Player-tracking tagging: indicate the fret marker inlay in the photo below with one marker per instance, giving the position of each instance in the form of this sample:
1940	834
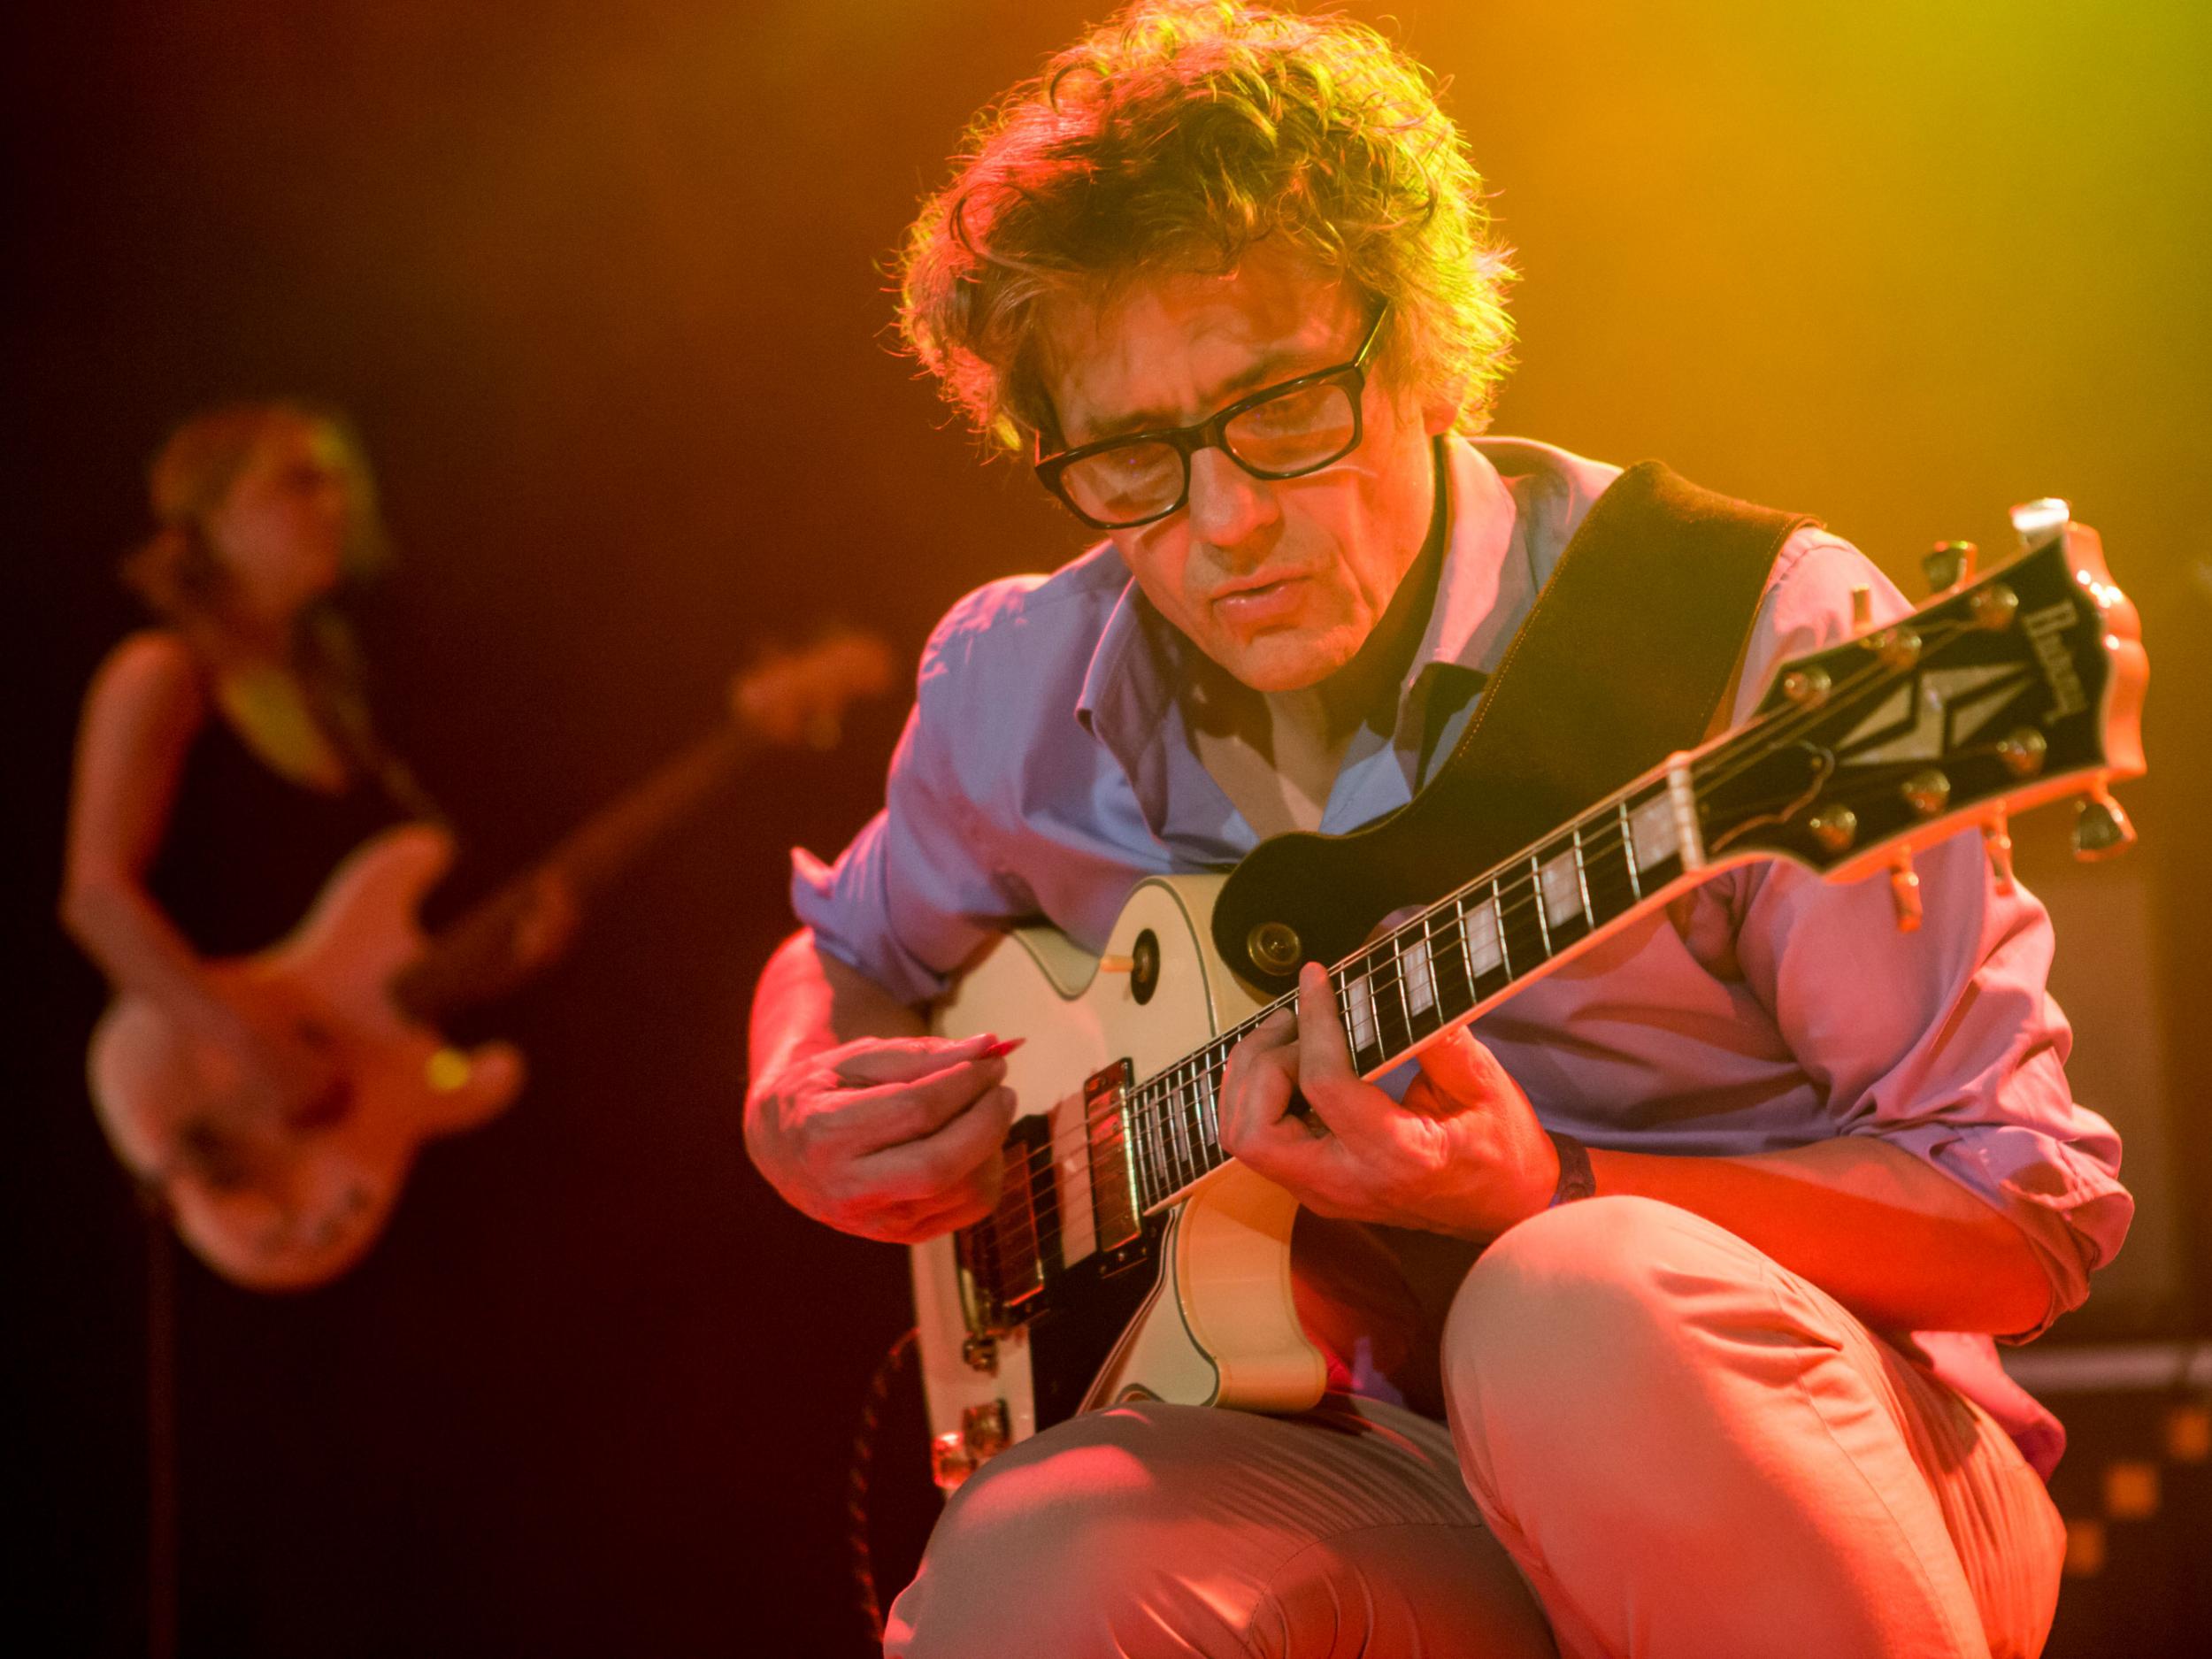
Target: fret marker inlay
1485	951
1420	978
1651	827
1563	890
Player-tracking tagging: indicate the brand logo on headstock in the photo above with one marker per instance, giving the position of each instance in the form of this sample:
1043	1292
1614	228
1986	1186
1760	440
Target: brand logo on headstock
1952	706
2044	628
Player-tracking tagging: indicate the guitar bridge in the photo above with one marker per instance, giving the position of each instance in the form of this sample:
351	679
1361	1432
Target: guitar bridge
1005	1258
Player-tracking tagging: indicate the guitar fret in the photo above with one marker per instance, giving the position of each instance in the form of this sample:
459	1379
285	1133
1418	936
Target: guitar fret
1195	1095
1628	853
1211	1109
1543	924
1186	1114
1394	1017
1178	1145
1582	877
1454	936
1609	868
1155	1163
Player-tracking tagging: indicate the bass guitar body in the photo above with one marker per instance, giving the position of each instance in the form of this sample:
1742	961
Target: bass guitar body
1189	1303
284	1197
282	1202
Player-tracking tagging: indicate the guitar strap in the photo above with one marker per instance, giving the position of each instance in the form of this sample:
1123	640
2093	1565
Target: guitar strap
1622	660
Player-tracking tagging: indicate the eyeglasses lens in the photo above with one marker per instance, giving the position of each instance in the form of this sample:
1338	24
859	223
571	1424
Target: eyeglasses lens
1305	428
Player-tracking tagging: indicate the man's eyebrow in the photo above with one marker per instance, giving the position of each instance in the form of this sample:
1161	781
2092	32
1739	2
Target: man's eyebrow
1268	366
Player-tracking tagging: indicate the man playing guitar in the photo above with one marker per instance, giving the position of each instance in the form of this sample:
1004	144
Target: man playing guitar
1228	273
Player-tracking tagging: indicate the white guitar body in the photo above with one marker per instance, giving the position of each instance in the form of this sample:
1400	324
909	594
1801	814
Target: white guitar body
1219	1325
313	1195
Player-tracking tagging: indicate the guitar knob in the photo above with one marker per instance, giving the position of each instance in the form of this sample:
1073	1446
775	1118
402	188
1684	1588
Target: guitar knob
448	1068
1274	948
1904	893
950	1462
2101	826
1997	842
1949	565
1834	827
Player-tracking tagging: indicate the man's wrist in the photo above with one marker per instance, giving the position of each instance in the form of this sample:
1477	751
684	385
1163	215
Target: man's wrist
1576	1179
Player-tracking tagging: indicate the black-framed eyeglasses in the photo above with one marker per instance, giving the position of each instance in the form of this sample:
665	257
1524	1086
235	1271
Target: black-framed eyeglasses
1282	431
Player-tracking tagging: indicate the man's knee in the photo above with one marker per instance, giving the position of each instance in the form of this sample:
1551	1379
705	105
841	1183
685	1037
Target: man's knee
1584	1307
1088	1508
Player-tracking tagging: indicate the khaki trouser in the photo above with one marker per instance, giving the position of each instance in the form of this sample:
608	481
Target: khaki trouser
1662	1443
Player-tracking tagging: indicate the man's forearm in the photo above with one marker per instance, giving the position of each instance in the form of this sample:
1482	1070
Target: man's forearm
1902	1244
808	1000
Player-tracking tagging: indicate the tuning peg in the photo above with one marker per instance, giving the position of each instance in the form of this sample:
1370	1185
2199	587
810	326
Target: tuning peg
1904	892
1950	565
2101	826
1861	608
2040	523
1997	842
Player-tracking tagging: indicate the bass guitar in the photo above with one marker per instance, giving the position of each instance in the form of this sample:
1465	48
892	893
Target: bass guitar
285	1199
1130	1257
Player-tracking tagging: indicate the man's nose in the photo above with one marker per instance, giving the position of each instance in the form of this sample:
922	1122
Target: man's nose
1227	504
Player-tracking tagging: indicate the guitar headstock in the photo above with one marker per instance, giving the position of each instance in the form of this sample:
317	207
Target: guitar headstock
2006	691
792	698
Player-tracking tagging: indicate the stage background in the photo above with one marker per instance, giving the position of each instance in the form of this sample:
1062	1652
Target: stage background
605	287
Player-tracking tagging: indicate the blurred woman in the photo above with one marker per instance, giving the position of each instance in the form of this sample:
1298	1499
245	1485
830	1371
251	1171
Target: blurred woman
225	759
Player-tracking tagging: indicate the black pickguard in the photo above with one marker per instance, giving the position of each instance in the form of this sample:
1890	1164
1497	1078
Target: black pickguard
1630	647
1086	1311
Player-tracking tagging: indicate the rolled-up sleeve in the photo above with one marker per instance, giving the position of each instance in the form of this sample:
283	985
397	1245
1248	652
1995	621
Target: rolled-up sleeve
917	891
1944	1042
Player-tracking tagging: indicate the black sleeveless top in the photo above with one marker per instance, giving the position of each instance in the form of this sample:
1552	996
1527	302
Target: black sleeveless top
247	849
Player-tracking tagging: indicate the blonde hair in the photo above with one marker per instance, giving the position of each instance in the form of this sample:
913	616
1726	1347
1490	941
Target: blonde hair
1175	138
176	571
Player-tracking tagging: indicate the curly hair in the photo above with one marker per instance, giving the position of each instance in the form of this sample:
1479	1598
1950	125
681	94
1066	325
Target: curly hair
1175	138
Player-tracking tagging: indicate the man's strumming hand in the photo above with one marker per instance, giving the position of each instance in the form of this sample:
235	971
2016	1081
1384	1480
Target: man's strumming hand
892	1138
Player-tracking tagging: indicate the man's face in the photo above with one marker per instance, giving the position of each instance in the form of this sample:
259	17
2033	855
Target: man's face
1279	583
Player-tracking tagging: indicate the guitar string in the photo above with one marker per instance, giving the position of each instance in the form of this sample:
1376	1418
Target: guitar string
1172	1100
1183	1097
1177	1098
1152	1101
1162	1102
1850	691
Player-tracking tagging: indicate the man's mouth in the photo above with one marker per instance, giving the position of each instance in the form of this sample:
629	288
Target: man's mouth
1260	600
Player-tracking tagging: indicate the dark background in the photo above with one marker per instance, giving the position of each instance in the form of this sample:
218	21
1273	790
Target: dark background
605	287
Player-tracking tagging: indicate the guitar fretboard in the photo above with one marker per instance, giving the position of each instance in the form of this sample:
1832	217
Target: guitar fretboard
1428	974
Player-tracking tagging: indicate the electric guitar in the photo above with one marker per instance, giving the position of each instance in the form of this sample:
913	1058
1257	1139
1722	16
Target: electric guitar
285	1199
1129	1257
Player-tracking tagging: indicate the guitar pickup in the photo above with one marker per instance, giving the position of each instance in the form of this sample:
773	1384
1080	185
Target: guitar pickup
1118	1213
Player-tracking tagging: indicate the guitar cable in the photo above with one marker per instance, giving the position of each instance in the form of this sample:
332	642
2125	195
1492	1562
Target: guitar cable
861	1471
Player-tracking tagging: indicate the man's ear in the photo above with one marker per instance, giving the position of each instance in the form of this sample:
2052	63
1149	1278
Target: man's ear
1440	407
